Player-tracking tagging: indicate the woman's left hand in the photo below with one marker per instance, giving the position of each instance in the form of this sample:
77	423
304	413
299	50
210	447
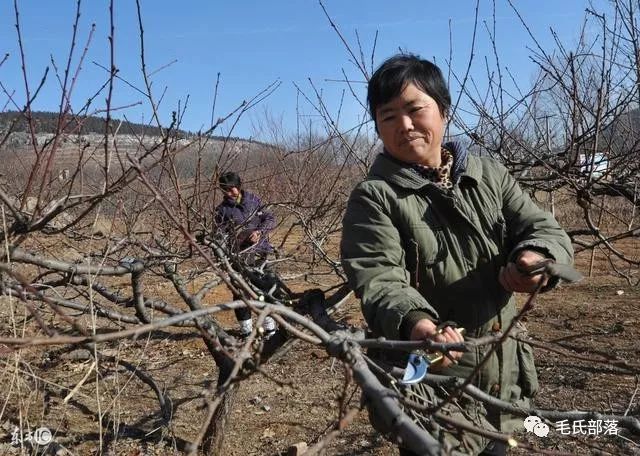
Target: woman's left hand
513	280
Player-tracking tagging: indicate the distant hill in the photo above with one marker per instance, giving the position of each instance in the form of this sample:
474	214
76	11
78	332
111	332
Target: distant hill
47	122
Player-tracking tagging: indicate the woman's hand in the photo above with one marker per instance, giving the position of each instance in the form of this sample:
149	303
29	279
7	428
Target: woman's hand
254	236
513	280
426	329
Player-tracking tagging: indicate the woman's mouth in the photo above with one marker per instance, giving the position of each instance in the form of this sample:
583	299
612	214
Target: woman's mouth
409	140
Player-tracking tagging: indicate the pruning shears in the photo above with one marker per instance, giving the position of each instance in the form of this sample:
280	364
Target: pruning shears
418	365
553	269
419	362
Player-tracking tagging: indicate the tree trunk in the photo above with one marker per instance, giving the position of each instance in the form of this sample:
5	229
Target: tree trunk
214	438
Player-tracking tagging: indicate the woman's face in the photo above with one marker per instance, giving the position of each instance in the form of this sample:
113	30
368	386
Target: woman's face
411	127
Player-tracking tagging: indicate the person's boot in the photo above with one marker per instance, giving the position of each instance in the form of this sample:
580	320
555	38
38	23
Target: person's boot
246	326
269	327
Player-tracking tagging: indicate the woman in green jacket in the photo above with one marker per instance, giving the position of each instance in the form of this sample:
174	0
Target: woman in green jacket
434	234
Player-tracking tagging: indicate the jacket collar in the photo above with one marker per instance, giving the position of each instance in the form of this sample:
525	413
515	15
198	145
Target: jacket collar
400	173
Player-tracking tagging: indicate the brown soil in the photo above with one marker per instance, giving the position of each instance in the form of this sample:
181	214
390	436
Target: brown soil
296	399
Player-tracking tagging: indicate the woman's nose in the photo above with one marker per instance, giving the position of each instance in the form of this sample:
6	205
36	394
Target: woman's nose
406	123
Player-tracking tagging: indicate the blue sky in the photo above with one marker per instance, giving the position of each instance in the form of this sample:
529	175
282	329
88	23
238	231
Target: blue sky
254	43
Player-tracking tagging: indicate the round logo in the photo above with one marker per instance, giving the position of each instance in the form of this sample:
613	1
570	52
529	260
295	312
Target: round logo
530	422
541	429
42	436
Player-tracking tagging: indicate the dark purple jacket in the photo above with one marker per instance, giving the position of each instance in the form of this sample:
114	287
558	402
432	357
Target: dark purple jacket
241	219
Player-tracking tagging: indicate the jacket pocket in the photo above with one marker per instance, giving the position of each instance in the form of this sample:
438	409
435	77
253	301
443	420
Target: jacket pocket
528	377
427	245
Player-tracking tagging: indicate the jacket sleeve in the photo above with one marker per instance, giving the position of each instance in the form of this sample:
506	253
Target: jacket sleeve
529	227
374	262
219	219
267	221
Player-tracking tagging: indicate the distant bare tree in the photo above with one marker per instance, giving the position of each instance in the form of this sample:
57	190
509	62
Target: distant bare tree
572	135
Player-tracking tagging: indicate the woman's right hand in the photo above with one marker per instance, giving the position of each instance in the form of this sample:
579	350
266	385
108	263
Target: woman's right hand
427	329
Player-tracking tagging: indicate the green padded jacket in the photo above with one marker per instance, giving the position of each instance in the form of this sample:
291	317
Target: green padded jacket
407	244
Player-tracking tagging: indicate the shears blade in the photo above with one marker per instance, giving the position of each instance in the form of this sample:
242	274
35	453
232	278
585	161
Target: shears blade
415	370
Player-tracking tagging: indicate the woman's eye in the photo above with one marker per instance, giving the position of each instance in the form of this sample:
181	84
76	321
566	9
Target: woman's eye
387	118
415	109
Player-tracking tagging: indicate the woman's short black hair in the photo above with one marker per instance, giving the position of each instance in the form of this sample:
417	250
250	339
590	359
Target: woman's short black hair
229	179
397	71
